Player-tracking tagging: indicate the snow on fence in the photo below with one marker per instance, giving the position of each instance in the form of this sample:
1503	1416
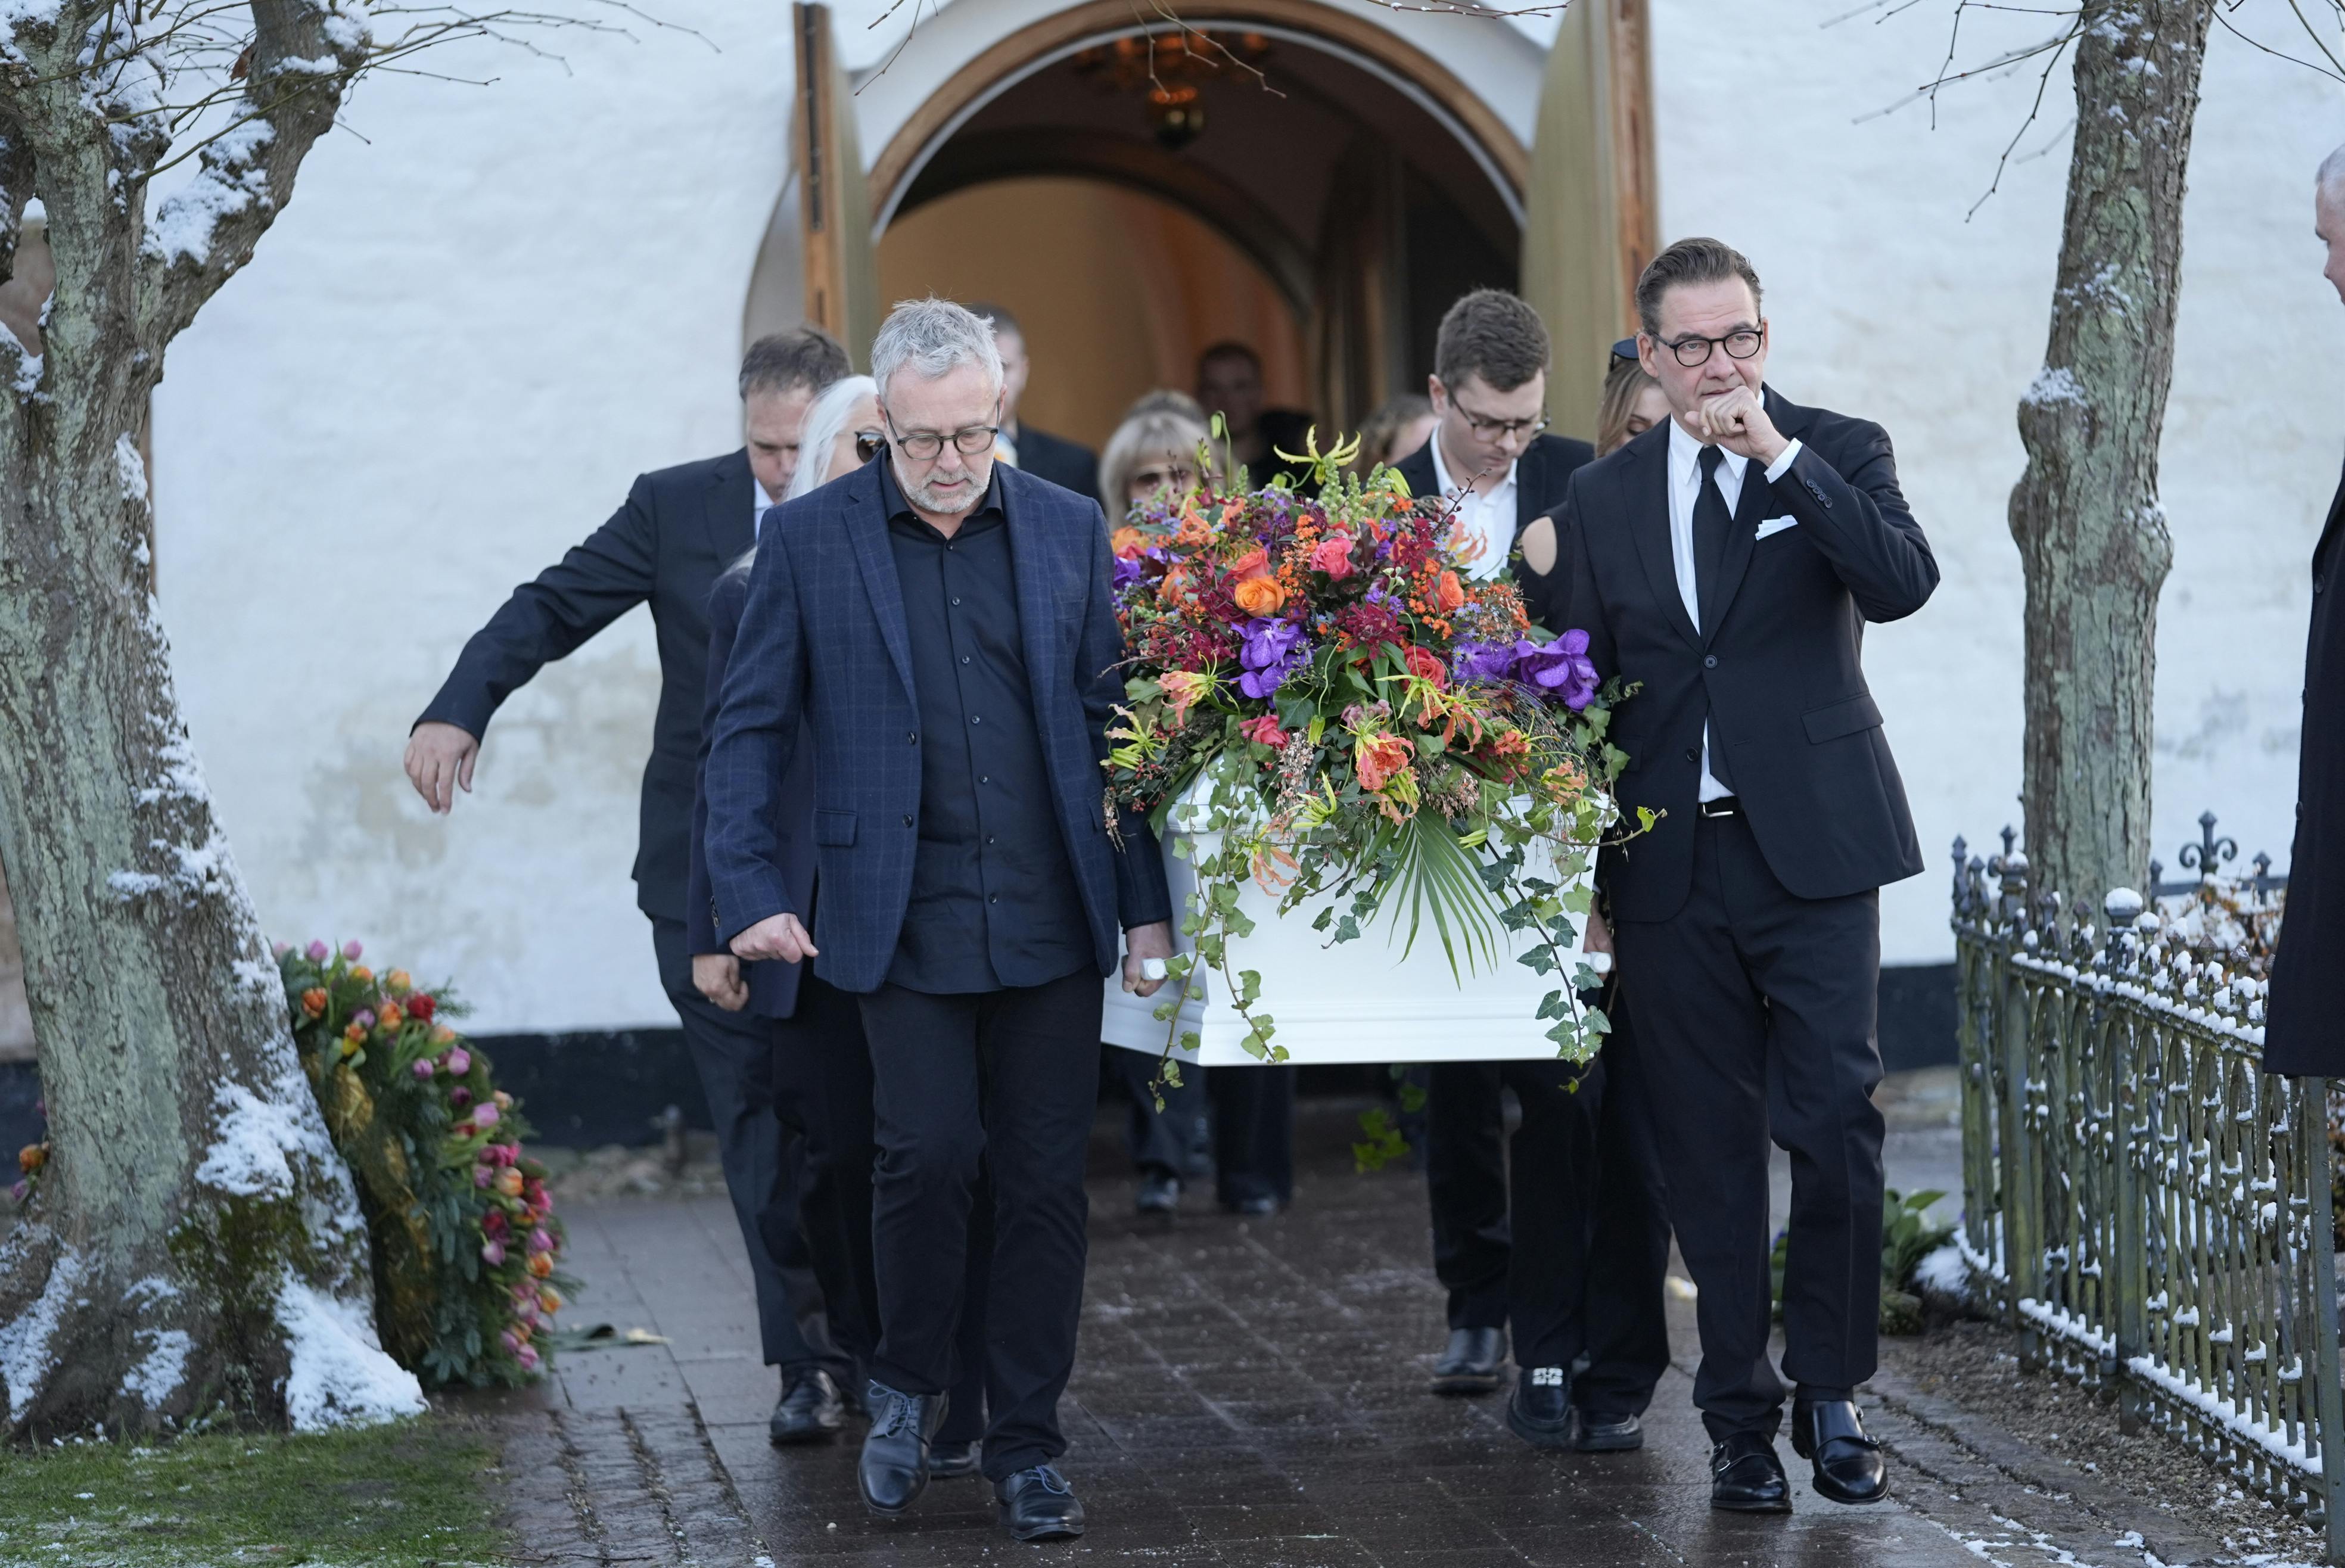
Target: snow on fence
2148	1208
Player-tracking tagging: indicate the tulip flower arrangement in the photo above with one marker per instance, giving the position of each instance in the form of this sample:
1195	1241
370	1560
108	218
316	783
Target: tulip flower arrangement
1322	685
466	1246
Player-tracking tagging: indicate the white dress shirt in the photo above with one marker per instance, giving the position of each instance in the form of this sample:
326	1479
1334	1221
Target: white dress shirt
757	518
1685	489
1484	523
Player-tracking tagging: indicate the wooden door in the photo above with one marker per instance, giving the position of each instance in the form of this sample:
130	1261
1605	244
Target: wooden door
841	279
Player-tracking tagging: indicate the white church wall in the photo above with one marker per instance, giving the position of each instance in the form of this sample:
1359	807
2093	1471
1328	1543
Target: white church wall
1889	298
469	331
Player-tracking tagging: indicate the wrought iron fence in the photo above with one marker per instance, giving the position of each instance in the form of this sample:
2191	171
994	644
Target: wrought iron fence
2150	1210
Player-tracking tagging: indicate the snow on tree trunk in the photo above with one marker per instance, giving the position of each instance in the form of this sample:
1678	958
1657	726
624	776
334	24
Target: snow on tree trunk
2092	537
195	1245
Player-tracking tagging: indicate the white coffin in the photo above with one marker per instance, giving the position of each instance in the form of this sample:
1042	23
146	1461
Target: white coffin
1356	1001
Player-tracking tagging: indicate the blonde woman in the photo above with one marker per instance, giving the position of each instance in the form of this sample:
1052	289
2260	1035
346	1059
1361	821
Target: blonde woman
1155	449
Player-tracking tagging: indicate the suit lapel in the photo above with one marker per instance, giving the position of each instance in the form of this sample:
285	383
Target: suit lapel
1648	483
1530	473
732	501
867	526
1032	545
2331	530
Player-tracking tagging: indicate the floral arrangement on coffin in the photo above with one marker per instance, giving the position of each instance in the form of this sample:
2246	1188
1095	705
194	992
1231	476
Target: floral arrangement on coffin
466	1247
1319	682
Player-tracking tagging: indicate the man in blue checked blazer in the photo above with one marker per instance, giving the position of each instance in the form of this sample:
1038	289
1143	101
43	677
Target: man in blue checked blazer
942	628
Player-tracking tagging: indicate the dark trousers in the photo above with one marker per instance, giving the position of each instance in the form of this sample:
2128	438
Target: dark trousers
1560	1232
1161	1142
1756	1010
1254	1133
1004	1082
822	1079
734	1054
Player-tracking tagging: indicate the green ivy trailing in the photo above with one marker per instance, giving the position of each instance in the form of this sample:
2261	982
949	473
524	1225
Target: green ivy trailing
466	1247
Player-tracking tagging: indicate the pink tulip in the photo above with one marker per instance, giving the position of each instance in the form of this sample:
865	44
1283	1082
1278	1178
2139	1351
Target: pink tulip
459	1061
527	1357
422	1068
279	949
363	1018
511	1342
317	952
484	1115
540	1242
492	1253
352	950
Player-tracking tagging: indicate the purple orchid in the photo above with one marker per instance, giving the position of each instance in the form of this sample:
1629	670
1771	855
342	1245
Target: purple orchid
1483	662
1272	651
1127	572
1560	668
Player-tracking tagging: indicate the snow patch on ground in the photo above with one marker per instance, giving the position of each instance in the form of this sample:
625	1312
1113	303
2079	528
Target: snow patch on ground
230	183
24	1361
159	1374
340	1375
1946	1271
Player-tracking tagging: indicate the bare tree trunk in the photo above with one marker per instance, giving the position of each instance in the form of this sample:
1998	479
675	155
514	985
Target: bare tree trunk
2092	536
195	1245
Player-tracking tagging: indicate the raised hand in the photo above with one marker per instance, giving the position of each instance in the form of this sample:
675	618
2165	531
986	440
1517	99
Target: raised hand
1737	419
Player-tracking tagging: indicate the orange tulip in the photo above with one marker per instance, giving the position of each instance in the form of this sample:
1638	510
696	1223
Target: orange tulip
391	1017
362	975
313	1001
541	1264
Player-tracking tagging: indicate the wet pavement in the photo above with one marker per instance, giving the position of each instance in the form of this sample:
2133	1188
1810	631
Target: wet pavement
1249	1392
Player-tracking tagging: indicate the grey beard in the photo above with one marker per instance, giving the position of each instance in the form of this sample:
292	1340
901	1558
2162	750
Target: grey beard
926	499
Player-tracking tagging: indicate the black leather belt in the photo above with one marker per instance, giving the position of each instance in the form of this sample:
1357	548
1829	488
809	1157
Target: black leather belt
1724	805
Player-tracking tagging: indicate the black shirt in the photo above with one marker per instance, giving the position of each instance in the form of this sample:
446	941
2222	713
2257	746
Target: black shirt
994	899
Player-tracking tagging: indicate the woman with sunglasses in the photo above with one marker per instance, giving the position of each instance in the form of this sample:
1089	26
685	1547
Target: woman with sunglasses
840	434
1154	449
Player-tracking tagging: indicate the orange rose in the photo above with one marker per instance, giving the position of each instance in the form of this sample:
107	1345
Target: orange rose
1253	561
1259	595
1127	542
1448	593
1377	757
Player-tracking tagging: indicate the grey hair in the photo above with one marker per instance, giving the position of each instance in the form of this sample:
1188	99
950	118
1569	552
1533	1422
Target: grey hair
1157	432
2330	180
932	338
823	420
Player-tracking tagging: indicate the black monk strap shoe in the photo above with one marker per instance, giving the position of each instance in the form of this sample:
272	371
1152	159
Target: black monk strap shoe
1603	1432
894	1468
1745	1476
1830	1434
1469	1362
951	1460
1160	1193
810	1409
1540	1411
1037	1504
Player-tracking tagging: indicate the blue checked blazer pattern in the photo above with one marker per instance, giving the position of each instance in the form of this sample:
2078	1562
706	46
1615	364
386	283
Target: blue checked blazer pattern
823	643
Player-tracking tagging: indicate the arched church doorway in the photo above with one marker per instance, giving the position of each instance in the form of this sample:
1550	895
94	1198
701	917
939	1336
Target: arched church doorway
1289	173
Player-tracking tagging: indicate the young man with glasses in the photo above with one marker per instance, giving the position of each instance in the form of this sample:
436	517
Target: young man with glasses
1725	564
941	628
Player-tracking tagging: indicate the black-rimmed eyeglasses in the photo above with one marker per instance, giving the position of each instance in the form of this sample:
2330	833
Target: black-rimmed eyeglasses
1738	344
921	445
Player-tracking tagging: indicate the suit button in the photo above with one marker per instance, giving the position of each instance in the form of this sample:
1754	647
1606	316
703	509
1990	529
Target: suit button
912	737
2317	584
908	819
1693	753
1710	661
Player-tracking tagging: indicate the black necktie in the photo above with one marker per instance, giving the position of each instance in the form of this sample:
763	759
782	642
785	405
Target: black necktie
1712	523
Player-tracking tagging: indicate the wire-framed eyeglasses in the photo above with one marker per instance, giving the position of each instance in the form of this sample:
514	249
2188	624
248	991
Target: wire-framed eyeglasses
1738	344
922	445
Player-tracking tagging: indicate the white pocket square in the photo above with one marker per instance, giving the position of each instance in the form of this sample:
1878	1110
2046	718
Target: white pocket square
1774	525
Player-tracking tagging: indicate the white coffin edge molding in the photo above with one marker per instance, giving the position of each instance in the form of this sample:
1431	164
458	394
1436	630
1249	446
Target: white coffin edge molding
1356	1001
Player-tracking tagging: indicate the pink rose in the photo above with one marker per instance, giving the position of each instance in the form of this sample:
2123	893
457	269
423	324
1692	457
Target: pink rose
492	1253
1333	557
1262	729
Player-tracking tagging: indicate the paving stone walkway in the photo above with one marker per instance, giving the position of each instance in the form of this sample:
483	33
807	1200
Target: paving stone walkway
1249	1392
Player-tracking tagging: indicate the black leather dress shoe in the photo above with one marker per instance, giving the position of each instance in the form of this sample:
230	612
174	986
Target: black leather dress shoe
1746	1477
1540	1411
1037	1505
1160	1193
810	1409
1603	1432
1469	1362
951	1460
1257	1208
894	1468
1829	1434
